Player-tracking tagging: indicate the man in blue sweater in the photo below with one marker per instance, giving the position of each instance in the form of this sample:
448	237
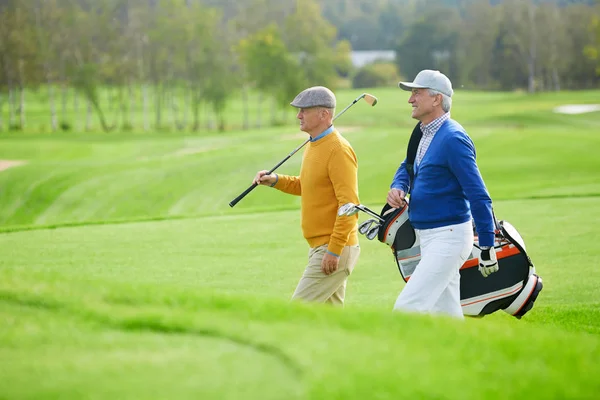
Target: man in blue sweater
446	192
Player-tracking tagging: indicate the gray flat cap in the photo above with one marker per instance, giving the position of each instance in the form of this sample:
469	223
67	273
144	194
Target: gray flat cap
316	96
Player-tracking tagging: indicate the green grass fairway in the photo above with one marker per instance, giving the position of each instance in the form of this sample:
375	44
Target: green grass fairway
125	274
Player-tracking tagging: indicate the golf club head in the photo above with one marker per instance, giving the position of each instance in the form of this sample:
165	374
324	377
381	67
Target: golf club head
347	210
365	226
372	233
370	99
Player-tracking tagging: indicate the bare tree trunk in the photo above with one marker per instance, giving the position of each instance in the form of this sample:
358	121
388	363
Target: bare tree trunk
131	104
174	103
171	105
206	114
45	56
221	121
556	79
187	101
88	117
21	95
143	88
209	121
123	107
75	108
96	104
64	95
75	102
273	111
246	116
145	107
258	114
22	107
11	107
170	92
158	94
554	55
53	117
64	90
175	109
532	49
195	110
114	105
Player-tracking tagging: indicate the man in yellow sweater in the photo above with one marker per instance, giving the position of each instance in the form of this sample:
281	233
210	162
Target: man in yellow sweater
328	179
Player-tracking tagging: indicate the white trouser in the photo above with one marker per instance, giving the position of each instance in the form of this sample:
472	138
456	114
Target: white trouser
434	286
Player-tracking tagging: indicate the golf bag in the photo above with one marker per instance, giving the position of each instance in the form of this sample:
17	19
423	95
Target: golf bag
513	288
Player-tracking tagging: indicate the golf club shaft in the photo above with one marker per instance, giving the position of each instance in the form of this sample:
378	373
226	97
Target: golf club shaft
372	213
245	192
251	188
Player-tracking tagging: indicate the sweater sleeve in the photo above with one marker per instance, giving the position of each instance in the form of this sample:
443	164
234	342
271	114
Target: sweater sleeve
461	159
401	179
289	184
343	172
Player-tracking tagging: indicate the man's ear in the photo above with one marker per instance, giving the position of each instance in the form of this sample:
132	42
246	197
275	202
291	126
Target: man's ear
324	113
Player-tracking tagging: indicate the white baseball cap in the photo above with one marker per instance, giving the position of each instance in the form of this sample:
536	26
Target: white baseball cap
429	79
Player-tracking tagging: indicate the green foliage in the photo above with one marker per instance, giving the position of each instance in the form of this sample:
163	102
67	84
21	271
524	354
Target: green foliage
379	74
185	54
430	44
313	50
65	126
84	79
592	50
270	65
342	59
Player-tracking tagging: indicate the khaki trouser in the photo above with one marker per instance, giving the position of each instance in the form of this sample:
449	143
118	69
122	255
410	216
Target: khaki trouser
315	286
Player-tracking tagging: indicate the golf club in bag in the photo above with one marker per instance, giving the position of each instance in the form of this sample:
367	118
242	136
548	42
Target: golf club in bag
512	289
368	98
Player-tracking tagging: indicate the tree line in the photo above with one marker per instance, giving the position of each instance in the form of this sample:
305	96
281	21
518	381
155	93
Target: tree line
132	63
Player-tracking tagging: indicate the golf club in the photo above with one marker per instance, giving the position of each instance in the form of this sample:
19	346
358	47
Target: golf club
350	209
372	233
368	98
365	226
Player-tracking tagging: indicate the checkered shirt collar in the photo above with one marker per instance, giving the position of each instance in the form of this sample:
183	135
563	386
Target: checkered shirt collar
431	128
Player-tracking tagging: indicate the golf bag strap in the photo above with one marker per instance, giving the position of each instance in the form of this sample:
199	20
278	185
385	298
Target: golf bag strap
411	151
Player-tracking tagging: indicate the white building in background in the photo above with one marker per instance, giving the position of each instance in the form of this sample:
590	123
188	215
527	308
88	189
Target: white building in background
364	57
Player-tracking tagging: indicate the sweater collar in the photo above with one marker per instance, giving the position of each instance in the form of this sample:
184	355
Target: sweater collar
322	135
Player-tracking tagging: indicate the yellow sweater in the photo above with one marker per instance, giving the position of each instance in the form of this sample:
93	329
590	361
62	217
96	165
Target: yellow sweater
328	179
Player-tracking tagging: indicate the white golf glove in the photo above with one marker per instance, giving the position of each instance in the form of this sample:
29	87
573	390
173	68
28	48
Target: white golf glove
488	264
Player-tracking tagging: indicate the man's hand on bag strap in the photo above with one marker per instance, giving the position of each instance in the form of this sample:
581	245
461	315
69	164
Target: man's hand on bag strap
488	264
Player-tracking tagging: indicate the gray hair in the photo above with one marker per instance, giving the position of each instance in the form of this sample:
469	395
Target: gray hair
331	111
446	100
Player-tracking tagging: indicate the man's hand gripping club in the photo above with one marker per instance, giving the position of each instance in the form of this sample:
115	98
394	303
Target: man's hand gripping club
263	178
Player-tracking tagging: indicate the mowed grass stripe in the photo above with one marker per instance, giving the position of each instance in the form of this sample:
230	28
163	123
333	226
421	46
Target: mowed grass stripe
263	254
384	355
528	164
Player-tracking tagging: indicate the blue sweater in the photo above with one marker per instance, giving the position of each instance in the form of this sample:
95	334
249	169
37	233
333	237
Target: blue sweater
447	188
